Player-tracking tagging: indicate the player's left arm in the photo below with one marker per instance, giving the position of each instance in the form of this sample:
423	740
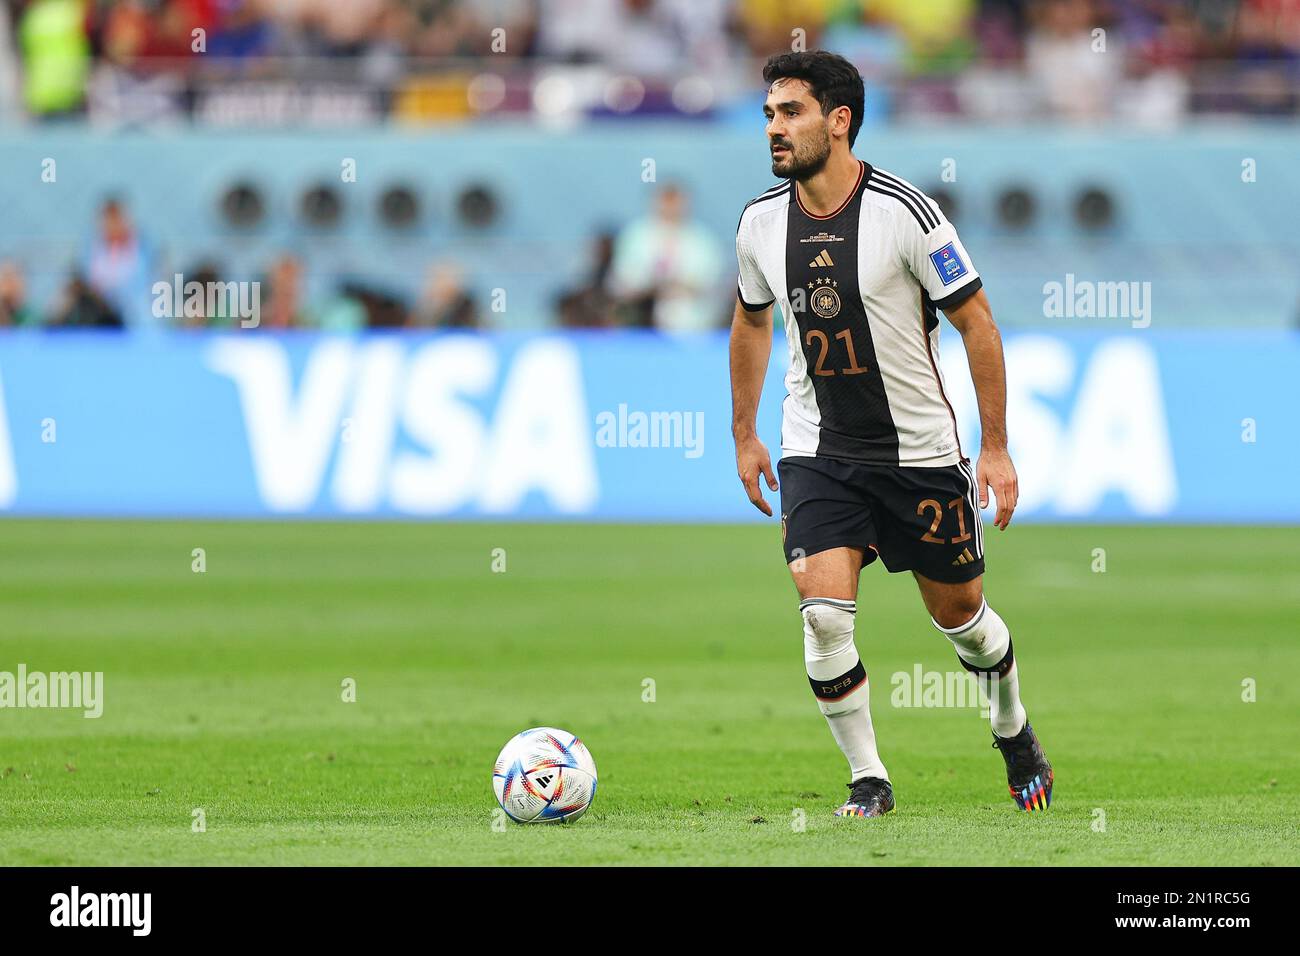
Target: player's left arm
973	318
934	254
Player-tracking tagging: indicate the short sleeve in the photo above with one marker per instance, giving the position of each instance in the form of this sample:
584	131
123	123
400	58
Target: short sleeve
935	255
751	287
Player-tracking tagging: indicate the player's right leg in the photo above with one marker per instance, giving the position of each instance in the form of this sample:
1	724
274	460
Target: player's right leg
827	534
828	587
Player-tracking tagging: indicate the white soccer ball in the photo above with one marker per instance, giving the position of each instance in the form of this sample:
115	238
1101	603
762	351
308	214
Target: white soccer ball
544	775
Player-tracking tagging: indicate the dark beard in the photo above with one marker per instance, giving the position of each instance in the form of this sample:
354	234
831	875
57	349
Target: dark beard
804	167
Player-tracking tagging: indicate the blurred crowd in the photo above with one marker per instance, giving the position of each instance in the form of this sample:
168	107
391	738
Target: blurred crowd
663	271
139	61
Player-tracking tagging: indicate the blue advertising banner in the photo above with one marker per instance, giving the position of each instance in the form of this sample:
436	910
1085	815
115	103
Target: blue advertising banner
1138	425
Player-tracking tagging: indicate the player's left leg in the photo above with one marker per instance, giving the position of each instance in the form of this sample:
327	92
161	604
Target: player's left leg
983	644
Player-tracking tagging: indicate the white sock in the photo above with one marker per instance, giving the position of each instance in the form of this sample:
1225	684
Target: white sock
839	682
984	645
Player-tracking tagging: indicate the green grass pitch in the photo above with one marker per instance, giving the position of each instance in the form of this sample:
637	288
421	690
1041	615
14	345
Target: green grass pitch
223	692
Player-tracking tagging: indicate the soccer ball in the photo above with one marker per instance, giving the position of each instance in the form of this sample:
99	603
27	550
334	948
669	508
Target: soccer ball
544	775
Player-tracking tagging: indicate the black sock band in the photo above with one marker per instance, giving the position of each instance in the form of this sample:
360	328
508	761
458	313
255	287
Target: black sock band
1000	668
841	686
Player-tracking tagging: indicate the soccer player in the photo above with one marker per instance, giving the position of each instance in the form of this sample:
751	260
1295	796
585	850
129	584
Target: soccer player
861	262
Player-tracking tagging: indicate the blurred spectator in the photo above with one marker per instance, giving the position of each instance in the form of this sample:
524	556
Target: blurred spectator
119	266
346	29
14	310
1162	39
669	266
937	32
208	276
766	25
346	312
360	305
651	39
130	85
80	305
590	305
10	68
241	34
1268	36
56	56
281	295
126	32
576	31
171	37
1075	69
445	303
450	29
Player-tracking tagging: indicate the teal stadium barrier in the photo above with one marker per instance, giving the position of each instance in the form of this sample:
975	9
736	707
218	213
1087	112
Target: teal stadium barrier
1214	247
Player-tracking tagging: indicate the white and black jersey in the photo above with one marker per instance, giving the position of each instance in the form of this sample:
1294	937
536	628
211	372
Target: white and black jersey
860	290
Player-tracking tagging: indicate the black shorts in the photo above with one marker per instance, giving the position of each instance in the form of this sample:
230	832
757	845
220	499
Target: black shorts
914	519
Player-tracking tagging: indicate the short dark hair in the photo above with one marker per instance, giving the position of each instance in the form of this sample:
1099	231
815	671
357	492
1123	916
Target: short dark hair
833	80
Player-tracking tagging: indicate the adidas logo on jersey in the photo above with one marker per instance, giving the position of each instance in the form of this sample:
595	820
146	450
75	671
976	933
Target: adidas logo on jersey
964	558
823	259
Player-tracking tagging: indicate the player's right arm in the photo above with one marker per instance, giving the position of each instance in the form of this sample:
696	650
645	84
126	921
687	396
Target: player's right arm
751	347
